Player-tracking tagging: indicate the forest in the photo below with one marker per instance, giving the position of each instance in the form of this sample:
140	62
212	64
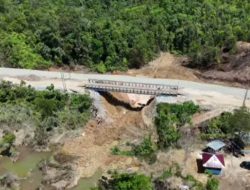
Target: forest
108	35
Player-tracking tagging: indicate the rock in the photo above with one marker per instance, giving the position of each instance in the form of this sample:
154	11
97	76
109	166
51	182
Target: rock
172	183
9	181
58	175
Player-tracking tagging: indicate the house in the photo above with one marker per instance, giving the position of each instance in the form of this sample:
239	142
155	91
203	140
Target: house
215	146
213	163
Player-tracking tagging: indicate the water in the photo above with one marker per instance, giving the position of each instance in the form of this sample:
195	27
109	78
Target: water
25	168
88	183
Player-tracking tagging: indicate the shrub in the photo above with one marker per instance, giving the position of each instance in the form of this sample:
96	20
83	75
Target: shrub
101	68
212	184
170	117
126	181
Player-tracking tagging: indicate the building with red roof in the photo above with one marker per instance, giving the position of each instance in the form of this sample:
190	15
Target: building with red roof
213	163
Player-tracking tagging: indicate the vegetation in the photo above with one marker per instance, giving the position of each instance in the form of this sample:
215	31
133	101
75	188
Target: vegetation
170	117
6	143
175	172
212	184
126	181
109	35
47	110
145	150
228	125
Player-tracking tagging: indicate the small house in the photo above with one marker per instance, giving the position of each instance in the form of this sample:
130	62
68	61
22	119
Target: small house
215	146
213	163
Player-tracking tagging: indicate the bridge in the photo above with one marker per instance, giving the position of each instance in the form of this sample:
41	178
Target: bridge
131	87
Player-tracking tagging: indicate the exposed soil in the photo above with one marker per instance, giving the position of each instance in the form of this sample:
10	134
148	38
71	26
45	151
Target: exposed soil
93	148
235	68
166	66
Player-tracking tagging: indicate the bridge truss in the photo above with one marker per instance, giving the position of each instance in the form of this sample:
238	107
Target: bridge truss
131	87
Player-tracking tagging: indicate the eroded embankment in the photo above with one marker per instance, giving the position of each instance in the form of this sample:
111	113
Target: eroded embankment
93	147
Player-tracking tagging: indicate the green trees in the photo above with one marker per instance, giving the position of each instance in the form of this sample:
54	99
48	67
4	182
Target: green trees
46	110
239	122
228	125
19	54
127	182
109	35
170	117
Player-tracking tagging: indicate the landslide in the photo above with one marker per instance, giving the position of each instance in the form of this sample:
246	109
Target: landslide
235	68
93	148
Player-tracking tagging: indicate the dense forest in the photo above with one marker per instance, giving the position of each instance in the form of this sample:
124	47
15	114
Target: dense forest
107	35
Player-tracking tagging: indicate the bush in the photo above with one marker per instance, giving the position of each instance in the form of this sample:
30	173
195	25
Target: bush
228	125
145	149
127	182
45	110
8	138
212	184
170	117
101	68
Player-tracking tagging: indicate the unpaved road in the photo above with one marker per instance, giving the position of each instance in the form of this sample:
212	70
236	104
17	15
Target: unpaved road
203	93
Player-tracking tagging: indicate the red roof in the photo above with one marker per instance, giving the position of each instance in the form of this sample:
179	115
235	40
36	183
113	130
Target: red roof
213	160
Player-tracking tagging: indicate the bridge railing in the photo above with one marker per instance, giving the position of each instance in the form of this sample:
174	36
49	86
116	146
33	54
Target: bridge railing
132	87
133	84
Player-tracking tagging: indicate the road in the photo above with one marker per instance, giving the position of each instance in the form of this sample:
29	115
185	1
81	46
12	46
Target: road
204	93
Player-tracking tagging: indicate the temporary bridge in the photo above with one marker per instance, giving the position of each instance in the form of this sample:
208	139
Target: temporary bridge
131	87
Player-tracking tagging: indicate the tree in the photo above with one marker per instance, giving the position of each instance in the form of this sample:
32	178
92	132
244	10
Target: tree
170	117
127	182
239	122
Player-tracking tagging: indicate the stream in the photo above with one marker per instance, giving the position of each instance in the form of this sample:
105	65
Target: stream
26	168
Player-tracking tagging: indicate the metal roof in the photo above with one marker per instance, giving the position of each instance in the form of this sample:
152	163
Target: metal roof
213	160
216	145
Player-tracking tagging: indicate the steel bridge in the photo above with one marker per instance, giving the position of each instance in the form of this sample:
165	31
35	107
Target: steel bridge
131	87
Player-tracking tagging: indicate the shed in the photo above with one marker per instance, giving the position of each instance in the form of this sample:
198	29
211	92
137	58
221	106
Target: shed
216	145
213	163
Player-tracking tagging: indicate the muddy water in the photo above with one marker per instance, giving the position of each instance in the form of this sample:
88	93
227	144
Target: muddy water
88	183
26	168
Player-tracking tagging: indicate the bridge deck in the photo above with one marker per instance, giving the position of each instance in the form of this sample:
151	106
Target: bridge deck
132	87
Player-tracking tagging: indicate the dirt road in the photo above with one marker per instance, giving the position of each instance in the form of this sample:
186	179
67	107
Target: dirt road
203	93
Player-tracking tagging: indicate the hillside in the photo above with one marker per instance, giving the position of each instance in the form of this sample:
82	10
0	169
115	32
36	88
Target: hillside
117	35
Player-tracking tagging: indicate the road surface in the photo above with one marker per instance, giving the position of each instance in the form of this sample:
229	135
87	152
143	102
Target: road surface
204	93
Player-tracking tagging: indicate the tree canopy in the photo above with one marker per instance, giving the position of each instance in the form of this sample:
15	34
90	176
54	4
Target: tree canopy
229	125
125	181
109	35
169	119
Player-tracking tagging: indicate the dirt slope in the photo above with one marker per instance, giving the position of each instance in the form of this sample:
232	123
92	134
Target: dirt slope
234	68
93	148
166	66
